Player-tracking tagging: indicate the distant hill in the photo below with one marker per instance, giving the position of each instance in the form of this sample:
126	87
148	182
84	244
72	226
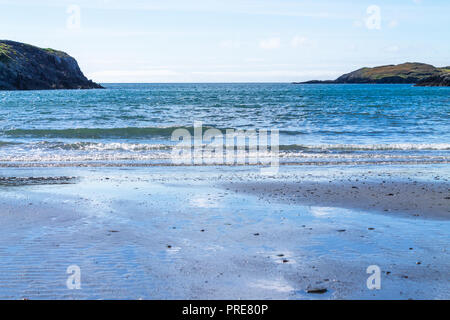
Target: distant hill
411	72
26	67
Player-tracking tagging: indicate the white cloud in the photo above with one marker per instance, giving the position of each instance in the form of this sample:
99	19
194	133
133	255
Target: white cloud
298	41
230	44
270	43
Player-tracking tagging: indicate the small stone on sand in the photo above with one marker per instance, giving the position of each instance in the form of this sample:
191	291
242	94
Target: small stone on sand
319	290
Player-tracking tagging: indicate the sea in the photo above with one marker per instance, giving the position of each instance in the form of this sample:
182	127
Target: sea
133	124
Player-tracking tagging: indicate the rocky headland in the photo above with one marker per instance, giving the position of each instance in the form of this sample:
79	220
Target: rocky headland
26	67
420	74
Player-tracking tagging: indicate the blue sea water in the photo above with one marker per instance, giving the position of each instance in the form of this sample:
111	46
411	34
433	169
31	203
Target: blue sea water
133	123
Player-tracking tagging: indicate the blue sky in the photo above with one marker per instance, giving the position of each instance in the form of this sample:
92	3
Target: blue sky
231	41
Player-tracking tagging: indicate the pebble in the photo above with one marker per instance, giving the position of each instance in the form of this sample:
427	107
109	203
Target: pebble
318	290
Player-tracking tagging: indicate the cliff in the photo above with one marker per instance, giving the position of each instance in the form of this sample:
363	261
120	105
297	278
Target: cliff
26	67
442	80
402	73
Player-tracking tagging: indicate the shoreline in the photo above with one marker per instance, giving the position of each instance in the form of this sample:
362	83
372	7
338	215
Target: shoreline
110	164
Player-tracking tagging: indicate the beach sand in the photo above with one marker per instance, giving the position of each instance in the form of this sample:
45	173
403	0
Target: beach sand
225	232
410	198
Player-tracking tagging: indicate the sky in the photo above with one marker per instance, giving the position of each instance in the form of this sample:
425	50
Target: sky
232	40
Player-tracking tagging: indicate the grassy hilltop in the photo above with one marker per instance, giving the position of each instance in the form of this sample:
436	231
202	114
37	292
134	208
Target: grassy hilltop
409	72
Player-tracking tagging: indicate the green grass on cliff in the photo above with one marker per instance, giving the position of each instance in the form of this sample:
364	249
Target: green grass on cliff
6	53
60	54
404	70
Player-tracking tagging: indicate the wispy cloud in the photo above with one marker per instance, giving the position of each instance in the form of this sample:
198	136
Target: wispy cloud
270	43
298	41
230	44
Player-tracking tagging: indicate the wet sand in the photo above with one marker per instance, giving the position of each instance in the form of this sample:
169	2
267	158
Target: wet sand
410	198
224	233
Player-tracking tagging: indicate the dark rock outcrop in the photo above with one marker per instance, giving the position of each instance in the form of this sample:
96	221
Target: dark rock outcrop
391	74
442	80
26	67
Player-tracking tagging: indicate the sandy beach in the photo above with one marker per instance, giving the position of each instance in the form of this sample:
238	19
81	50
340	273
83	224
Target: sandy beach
225	232
409	198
